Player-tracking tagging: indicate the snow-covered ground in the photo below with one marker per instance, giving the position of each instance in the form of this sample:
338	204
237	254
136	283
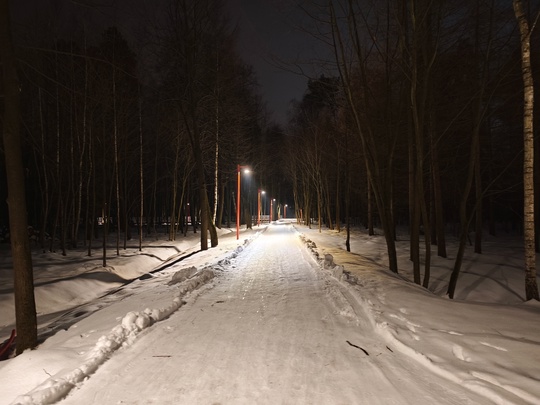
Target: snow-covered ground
271	318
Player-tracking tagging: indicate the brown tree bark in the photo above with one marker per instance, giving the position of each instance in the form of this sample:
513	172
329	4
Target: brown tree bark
141	174
531	287
423	53
219	219
440	237
338	198
379	171
25	307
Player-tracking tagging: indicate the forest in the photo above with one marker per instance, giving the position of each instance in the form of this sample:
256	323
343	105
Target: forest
424	125
414	119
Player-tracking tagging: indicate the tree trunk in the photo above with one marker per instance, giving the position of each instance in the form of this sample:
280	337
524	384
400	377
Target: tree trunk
229	207
477	122
348	204
296	199
203	196
461	249
378	176
438	203
45	209
104	207
369	219
307	200
91	212
141	212
464	221
78	209
219	220
116	165
413	230
531	287
23	283
152	225
415	235
319	210
172	226
422	58
479	206
216	167
105	224
330	224
338	200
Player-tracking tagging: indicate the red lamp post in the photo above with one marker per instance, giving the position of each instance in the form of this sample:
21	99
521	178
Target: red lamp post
246	170
259	192
271	208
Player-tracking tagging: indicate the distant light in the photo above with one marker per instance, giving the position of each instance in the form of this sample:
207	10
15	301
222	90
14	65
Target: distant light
246	170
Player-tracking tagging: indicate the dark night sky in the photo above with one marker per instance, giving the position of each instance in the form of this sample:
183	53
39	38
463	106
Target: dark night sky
268	31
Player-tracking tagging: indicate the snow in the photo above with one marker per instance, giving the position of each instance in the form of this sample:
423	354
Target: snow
284	315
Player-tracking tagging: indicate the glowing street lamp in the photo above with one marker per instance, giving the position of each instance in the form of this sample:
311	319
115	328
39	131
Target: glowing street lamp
259	192
246	170
285	211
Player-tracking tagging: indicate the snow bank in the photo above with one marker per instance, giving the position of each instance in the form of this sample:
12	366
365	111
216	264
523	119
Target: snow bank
457	340
125	333
122	335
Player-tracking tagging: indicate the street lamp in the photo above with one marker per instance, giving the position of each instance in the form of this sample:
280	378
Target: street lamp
285	211
246	170
271	208
259	192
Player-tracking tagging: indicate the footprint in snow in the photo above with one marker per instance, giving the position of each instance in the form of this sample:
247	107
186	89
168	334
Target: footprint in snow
410	325
459	353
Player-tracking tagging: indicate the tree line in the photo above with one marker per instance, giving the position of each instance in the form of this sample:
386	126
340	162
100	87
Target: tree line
418	121
106	133
121	138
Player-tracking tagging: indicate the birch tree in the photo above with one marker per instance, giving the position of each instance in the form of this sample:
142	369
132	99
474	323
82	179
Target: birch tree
531	287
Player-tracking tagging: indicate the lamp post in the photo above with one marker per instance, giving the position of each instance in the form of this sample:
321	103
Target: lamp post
285	211
271	208
259	192
246	170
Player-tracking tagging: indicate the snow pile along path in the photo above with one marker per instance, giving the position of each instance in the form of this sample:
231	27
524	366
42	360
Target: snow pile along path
285	319
123	335
273	329
460	342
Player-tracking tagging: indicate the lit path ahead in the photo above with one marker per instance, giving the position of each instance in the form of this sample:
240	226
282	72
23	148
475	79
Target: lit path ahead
268	332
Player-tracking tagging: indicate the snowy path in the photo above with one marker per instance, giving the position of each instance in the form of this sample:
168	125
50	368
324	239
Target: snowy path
268	332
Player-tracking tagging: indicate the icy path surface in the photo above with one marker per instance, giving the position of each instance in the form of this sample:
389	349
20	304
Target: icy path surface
274	329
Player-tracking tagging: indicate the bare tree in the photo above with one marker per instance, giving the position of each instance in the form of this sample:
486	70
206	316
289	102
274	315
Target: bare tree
141	173
25	307
423	54
351	59
531	287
